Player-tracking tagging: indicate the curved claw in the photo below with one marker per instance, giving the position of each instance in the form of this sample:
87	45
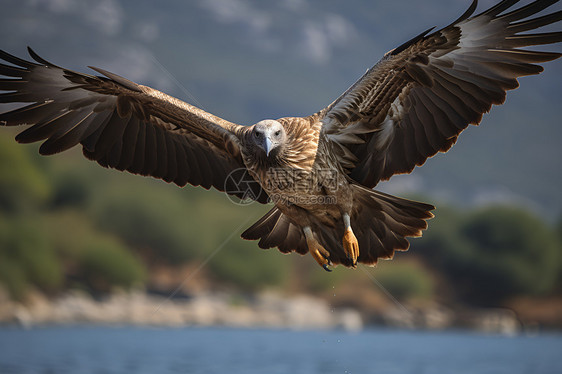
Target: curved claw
320	254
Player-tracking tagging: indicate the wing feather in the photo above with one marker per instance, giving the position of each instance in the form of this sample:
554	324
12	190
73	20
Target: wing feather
129	140
423	94
140	151
120	124
183	167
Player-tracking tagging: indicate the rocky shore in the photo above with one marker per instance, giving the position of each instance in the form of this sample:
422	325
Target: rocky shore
139	308
266	310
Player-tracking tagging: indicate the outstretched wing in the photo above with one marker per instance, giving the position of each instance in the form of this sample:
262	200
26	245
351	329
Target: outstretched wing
422	95
123	125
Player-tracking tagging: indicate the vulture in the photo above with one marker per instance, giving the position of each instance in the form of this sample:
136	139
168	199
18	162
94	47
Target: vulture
319	172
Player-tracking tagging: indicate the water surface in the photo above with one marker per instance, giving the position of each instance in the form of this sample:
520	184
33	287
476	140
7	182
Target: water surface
105	350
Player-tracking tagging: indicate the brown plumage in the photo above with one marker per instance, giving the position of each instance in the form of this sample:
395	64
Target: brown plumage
318	171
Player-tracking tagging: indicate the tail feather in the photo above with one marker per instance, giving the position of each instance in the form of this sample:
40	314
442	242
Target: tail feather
276	230
263	226
381	223
277	234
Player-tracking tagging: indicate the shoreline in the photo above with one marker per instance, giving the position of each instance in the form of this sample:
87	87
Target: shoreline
138	308
264	310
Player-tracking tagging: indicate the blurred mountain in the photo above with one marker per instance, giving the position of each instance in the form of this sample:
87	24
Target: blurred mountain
248	60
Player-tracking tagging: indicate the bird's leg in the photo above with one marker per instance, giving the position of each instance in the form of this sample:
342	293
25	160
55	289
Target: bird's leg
319	253
350	244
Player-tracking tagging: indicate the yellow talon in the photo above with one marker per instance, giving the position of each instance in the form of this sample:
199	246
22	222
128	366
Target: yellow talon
319	253
351	246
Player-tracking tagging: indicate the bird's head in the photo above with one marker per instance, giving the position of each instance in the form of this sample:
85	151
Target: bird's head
268	136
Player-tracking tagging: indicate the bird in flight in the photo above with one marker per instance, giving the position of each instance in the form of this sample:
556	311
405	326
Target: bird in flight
318	171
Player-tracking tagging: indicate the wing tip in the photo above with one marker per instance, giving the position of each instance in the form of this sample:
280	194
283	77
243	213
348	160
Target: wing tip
130	85
39	59
466	14
405	45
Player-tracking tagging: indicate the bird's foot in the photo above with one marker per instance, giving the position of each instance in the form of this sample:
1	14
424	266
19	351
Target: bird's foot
351	246
319	253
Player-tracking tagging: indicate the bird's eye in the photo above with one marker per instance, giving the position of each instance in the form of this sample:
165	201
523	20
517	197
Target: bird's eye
257	134
277	133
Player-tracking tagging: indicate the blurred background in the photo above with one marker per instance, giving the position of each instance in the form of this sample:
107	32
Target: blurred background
71	229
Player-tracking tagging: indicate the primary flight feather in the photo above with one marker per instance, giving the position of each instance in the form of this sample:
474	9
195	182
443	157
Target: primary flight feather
319	171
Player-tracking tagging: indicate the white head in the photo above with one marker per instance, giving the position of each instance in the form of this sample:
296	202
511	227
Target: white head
269	136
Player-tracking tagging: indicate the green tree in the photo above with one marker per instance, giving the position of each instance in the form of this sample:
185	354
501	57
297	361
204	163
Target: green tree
493	254
13	278
105	263
515	252
151	219
405	279
22	183
245	266
28	258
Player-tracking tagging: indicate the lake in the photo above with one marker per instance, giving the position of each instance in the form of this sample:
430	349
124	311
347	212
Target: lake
81	350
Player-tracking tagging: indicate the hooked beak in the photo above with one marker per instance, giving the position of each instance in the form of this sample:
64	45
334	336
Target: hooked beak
268	145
